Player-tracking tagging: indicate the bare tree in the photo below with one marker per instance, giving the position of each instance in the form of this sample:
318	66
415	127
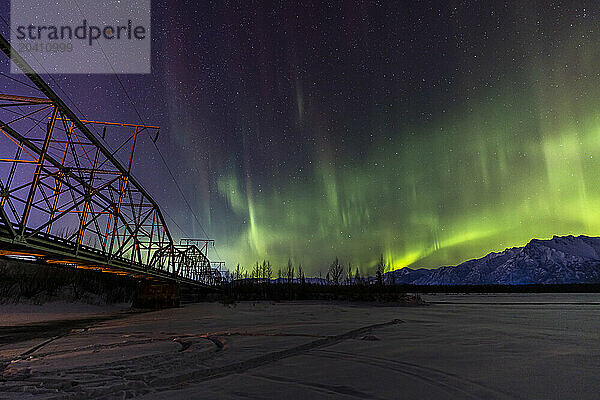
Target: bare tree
349	275
256	271
335	271
391	277
301	274
268	271
263	270
357	277
290	271
380	270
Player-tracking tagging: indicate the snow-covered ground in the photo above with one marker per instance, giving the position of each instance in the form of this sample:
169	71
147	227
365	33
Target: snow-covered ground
460	347
19	314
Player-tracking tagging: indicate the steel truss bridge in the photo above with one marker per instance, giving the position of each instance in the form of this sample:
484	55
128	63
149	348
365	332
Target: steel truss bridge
66	198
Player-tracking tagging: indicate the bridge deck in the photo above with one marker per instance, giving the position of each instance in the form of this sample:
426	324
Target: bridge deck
56	249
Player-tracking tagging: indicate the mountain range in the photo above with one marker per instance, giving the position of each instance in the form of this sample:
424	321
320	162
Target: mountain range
562	259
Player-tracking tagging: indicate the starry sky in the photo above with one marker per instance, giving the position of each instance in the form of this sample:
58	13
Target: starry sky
429	132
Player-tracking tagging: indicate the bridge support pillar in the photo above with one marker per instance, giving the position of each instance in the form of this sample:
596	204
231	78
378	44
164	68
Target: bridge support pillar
156	295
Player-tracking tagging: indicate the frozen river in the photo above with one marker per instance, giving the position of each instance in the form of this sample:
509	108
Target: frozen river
459	347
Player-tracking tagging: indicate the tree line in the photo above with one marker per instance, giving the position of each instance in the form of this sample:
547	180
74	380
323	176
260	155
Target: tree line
335	274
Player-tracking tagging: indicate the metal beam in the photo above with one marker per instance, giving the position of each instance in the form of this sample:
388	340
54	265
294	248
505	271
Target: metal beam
38	170
16	58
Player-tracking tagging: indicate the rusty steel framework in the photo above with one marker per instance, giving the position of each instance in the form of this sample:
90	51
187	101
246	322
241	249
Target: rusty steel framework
65	197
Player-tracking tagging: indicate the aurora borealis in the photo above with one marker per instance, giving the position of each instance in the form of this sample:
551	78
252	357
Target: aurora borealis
431	132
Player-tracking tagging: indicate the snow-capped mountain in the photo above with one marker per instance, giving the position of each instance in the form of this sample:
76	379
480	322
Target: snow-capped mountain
566	259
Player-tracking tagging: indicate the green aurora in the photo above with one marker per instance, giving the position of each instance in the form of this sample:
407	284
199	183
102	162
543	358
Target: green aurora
429	137
524	164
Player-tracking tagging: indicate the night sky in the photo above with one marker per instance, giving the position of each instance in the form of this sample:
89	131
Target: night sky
430	133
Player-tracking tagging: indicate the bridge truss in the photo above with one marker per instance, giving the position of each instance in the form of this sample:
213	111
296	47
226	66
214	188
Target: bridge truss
66	198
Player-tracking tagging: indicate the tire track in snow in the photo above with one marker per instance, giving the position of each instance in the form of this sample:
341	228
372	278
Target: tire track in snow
255	362
445	380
